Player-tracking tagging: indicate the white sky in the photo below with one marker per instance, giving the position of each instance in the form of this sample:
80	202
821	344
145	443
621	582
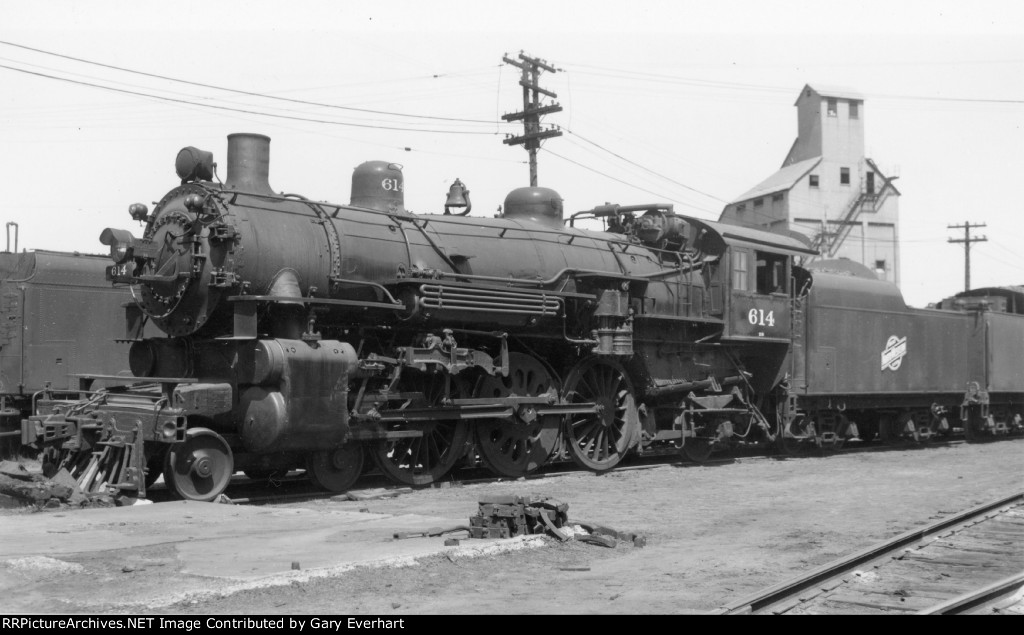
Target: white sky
699	92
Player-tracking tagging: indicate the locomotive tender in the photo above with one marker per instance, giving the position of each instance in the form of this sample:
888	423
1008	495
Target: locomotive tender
311	334
44	340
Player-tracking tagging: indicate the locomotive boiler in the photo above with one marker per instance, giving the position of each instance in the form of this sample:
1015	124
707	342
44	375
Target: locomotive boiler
306	334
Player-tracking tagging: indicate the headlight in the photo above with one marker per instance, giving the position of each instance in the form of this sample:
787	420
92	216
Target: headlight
120	242
119	252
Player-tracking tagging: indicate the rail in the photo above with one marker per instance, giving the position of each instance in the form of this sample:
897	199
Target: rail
974	599
787	591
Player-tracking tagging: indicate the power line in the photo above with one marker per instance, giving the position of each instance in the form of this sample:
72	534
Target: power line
672	79
667	178
239	110
633	185
242	92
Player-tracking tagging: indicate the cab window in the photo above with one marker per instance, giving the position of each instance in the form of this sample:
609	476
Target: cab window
739	271
771	273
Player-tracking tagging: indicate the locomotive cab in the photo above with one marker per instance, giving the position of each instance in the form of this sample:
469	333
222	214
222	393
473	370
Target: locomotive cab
756	270
761	270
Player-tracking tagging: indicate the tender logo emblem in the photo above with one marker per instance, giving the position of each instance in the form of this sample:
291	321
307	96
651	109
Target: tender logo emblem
895	350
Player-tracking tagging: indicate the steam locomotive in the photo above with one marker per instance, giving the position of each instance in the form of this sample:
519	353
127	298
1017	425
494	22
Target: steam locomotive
314	335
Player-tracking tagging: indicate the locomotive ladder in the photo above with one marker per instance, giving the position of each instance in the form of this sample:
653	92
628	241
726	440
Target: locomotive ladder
798	368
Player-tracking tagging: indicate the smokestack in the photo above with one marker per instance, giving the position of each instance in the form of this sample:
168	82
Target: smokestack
248	163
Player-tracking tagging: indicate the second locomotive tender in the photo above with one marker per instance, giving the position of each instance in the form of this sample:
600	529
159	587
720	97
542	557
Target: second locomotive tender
310	334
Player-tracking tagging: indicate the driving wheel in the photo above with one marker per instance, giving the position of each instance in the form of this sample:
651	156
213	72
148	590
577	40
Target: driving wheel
421	460
599	440
518	446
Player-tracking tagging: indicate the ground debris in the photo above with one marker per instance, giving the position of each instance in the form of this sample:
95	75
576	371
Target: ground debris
594	539
17	470
505	516
601	535
373	494
36	491
20	487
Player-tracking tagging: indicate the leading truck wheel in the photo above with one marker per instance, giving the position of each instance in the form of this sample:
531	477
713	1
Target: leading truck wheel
599	440
200	467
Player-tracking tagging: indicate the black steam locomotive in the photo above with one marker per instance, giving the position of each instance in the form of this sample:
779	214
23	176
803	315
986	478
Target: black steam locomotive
310	334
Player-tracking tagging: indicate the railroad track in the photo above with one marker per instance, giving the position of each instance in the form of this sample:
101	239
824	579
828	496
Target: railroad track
971	562
296	486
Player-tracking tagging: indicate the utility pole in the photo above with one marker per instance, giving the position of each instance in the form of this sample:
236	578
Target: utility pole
531	68
967	240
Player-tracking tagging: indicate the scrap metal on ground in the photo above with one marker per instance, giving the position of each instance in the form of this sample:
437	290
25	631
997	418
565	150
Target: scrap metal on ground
508	516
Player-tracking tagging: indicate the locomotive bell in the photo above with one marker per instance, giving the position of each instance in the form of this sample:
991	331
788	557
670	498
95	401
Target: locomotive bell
379	185
458	196
539	204
138	211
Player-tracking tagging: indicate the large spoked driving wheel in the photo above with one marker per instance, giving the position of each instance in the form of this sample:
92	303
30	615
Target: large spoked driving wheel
424	459
599	440
336	470
518	446
200	467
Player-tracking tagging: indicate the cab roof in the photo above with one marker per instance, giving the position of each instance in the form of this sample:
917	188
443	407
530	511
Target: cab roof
741	236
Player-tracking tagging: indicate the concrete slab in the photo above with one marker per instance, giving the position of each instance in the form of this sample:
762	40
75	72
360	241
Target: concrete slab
210	549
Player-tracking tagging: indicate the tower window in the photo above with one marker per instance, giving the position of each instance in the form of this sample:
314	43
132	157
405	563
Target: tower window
813	180
832	107
854	110
844	176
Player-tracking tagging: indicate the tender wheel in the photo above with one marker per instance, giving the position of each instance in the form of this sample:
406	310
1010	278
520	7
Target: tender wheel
697	449
925	432
336	470
518	447
425	459
200	467
598	441
794	439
